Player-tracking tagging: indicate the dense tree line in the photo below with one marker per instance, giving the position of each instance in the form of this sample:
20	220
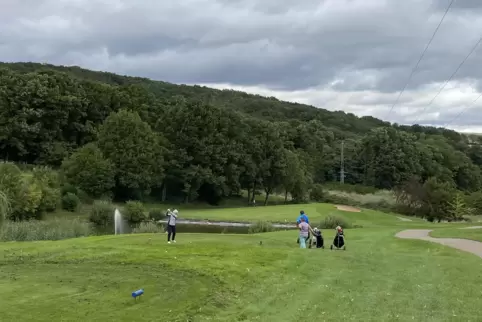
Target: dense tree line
130	138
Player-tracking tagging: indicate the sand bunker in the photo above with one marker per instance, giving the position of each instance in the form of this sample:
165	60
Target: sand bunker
472	227
404	219
347	208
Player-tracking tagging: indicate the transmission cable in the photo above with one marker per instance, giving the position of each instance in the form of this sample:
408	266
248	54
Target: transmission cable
421	57
450	78
462	111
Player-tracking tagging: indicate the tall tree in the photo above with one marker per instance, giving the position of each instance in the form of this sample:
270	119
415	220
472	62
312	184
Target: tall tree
135	150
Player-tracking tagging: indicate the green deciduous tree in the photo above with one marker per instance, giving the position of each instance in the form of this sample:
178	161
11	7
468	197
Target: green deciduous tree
135	150
89	170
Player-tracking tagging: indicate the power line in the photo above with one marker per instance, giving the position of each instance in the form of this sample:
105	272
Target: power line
462	111
421	57
450	78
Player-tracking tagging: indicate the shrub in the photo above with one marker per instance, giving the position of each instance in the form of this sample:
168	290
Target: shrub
70	202
101	213
23	191
44	230
148	227
89	170
48	181
135	212
260	227
50	199
474	200
69	188
316	193
331	222
4	206
84	197
29	200
157	214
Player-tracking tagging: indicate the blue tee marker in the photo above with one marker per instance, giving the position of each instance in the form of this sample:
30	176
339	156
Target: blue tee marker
137	293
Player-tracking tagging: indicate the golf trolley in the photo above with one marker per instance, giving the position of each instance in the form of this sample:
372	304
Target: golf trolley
338	242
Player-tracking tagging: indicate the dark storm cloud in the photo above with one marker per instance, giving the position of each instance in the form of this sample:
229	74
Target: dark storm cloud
343	45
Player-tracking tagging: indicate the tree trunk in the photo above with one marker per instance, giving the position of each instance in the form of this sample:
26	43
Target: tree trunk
286	196
266	198
254	193
164	192
249	196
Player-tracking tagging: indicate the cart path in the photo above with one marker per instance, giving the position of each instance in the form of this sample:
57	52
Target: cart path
466	245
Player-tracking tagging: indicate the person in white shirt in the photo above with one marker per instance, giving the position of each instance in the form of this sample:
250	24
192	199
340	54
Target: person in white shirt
171	225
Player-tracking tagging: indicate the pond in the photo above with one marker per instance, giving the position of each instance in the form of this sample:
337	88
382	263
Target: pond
192	226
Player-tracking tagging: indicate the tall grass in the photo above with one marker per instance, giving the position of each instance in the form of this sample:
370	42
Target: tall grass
148	227
331	222
261	227
55	229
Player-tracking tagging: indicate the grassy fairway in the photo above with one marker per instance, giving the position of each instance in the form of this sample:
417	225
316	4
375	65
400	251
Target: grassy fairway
473	234
233	278
289	213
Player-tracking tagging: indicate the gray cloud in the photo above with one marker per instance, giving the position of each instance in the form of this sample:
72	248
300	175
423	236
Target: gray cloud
345	47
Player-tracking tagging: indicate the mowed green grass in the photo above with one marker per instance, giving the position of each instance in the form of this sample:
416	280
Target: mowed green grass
211	277
473	234
289	213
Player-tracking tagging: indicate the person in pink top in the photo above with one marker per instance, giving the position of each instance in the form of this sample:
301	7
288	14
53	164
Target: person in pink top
304	232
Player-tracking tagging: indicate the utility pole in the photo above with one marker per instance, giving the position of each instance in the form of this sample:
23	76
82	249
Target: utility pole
342	163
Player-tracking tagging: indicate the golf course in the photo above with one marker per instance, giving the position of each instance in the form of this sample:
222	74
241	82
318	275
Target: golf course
250	277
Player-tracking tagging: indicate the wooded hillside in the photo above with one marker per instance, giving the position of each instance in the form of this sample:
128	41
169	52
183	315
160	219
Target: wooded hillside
133	137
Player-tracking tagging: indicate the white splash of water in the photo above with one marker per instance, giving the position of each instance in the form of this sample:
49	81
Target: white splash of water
117	222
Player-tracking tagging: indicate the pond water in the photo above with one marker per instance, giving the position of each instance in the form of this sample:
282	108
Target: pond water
192	226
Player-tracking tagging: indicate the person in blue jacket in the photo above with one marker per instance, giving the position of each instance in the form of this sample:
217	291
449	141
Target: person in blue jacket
302	215
298	220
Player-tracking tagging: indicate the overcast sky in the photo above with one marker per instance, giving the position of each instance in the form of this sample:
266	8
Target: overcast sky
351	55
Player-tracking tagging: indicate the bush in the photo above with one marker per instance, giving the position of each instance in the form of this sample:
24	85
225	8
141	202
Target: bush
316	193
101	213
84	197
24	192
29	200
48	181
4	206
135	212
70	202
331	222
50	199
148	227
44	230
69	188
157	214
261	227
474	200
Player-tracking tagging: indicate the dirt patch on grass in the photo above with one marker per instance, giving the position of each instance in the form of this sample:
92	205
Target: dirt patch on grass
347	208
466	245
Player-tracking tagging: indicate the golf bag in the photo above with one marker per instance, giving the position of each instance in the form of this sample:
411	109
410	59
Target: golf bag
339	241
317	240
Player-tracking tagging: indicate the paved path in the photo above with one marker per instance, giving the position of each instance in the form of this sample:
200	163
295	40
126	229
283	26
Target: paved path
404	219
472	227
470	246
